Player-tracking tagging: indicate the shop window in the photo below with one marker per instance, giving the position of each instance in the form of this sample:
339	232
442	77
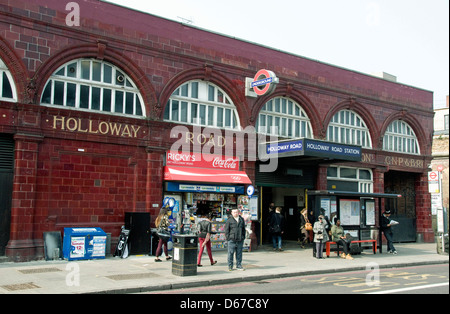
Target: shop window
7	87
201	103
347	127
350	179
400	138
89	84
284	118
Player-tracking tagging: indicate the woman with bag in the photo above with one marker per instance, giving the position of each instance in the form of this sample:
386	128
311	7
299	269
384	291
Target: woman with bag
276	228
320	236
162	223
305	227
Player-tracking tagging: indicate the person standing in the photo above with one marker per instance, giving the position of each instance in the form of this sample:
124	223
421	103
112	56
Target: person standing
204	239
320	236
268	220
386	228
276	228
235	235
162	223
304	234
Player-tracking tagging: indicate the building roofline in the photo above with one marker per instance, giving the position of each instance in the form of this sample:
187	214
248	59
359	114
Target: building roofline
263	46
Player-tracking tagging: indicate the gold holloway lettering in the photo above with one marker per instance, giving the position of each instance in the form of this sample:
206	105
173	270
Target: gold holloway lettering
88	126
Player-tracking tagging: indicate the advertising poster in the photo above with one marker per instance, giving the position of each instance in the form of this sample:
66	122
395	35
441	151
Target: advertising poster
370	214
350	212
77	245
99	246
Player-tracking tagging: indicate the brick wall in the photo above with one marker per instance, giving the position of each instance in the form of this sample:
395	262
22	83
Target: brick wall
66	178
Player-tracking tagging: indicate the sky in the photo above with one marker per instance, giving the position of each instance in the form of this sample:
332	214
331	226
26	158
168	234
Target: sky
405	38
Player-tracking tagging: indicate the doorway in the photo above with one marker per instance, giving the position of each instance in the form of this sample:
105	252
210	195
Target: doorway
292	215
6	187
403	209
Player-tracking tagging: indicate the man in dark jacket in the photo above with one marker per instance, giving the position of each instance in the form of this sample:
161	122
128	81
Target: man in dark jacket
235	234
385	225
276	228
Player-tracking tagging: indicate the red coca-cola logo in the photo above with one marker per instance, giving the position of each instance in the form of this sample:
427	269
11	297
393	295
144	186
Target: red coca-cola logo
229	163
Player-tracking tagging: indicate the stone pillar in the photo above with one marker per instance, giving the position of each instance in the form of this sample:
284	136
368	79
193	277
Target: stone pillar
322	181
423	209
155	180
24	244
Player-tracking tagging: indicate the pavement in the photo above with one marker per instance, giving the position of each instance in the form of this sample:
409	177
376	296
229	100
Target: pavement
137	274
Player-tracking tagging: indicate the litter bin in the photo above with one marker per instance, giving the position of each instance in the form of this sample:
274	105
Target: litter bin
185	250
84	243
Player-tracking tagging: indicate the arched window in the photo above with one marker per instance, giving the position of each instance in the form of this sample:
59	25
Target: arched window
90	84
202	103
400	138
347	127
7	87
284	118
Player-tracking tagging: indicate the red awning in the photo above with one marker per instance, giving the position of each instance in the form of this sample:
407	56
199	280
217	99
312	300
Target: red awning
205	175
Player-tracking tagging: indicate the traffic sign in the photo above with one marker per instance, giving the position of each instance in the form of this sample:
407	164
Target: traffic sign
433	182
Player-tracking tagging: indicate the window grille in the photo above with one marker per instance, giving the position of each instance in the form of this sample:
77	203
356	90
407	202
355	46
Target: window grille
202	103
400	138
93	85
347	127
284	118
7	87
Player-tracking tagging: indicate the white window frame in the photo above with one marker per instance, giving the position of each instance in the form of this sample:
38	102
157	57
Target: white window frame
400	138
204	104
4	71
347	127
364	185
120	84
284	118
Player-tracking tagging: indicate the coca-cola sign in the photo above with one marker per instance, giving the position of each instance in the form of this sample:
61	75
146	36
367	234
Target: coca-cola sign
199	160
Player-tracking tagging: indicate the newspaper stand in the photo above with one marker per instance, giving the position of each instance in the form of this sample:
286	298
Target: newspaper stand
84	244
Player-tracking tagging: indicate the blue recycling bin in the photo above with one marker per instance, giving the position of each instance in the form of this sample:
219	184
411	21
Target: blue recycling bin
84	244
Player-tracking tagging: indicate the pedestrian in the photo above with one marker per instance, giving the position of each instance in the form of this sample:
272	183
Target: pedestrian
276	228
235	235
204	239
386	228
267	221
162	223
320	236
304	233
312	220
338	236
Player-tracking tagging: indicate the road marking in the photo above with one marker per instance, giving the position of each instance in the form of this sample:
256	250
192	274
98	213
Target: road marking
412	288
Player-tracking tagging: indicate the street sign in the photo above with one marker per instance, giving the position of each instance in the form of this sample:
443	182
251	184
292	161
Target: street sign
433	182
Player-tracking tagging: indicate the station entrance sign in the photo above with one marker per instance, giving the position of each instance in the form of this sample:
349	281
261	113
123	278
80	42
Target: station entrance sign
264	83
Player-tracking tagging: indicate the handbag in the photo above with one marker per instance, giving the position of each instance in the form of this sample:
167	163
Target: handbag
308	226
163	234
319	236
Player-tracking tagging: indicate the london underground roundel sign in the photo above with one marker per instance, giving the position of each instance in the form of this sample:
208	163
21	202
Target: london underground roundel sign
264	82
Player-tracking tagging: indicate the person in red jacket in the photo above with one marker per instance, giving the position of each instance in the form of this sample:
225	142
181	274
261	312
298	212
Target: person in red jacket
204	239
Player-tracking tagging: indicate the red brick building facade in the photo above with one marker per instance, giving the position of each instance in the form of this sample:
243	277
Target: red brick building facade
86	164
